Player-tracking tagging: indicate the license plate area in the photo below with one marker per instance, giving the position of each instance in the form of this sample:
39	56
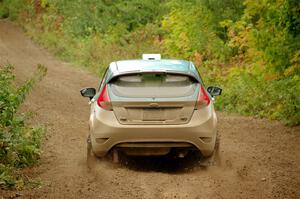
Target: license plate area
153	114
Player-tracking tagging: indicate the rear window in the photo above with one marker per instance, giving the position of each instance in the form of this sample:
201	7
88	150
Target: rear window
153	85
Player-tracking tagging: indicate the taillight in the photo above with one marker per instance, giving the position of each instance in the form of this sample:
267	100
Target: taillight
203	98
103	100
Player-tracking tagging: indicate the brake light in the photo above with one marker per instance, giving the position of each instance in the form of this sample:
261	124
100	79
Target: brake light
203	98
103	100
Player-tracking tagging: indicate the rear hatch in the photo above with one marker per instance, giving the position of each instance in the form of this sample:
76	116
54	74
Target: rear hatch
153	98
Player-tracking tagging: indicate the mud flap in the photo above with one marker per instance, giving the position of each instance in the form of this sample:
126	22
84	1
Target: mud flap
208	161
115	156
214	159
90	157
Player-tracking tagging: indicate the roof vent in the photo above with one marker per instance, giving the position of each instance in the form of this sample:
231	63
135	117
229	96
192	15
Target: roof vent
151	56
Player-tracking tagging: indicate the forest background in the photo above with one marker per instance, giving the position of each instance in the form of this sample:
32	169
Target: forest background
249	48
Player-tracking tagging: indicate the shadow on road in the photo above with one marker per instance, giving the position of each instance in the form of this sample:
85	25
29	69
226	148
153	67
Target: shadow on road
170	164
165	164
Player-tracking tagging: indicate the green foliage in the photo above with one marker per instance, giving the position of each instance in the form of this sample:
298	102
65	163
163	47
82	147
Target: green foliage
250	48
276	31
250	94
19	144
192	31
15	8
84	19
95	32
266	39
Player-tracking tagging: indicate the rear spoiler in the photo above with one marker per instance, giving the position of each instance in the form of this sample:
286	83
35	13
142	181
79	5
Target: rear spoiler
153	71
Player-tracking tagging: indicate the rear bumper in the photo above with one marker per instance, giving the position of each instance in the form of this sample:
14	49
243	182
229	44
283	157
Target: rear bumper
106	132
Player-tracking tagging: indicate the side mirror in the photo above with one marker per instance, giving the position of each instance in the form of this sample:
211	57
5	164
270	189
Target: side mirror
214	91
88	92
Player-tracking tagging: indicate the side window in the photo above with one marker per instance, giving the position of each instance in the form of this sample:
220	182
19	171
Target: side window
104	78
201	81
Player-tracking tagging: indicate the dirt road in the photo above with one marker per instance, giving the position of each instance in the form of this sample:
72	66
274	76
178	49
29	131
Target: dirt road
258	158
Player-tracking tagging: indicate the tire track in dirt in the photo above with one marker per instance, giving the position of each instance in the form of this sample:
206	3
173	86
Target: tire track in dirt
259	158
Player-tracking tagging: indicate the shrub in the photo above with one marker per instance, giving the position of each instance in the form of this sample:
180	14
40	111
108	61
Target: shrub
19	143
251	94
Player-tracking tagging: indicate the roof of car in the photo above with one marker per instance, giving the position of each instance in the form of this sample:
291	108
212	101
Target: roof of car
129	65
163	65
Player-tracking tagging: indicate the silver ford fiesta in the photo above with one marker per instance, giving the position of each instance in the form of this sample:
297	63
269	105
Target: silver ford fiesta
150	107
